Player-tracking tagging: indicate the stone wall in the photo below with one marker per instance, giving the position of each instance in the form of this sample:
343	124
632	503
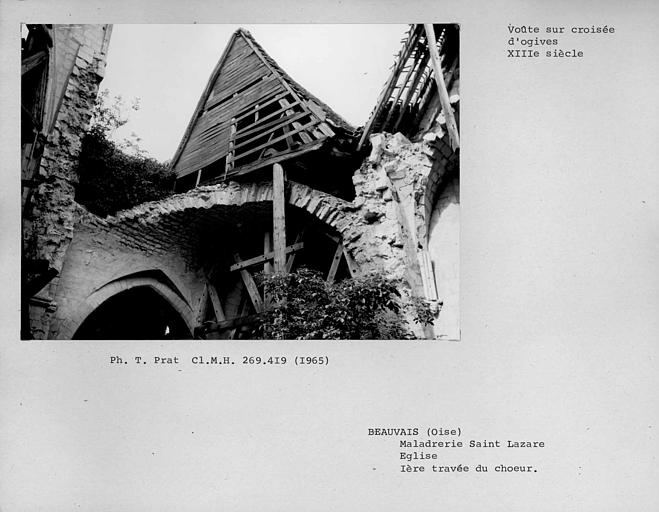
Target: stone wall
398	190
99	263
76	67
444	251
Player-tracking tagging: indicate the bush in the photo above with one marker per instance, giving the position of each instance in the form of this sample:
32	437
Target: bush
303	306
110	179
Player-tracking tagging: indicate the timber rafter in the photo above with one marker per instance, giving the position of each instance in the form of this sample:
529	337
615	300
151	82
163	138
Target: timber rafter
257	115
424	66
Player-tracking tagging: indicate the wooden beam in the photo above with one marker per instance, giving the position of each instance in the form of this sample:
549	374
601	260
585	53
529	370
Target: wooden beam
252	289
279	218
276	72
289	138
391	82
217	305
257	260
202	101
331	237
352	267
451	125
203	301
412	89
279	157
259	106
267	128
267	249
335	263
267	265
401	88
243	307
230	155
260	124
33	61
304	135
291	257
277	139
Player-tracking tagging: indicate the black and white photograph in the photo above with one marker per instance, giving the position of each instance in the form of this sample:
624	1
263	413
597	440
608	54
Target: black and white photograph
273	216
318	255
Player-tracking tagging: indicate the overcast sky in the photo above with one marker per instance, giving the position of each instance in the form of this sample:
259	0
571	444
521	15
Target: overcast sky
168	66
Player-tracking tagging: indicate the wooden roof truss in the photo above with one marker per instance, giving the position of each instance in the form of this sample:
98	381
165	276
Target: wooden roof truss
409	89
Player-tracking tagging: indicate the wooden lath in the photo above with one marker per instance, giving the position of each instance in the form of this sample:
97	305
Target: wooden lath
285	121
390	84
410	84
202	100
441	87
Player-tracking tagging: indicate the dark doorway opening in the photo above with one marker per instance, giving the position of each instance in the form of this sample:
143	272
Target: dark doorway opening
136	314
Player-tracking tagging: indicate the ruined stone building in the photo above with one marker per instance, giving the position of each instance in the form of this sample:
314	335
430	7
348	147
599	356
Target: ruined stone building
268	178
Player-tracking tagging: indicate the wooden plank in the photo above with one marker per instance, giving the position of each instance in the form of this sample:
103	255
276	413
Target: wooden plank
228	166
270	128
352	266
234	299
291	257
277	139
265	149
277	73
267	249
33	61
411	90
306	138
245	62
395	99
390	83
335	263
278	218
243	81
252	289
326	130
331	237
451	125
317	111
200	104
261	123
239	68
255	95
264	102
286	129
242	313
235	101
201	308
279	157
258	260
217	305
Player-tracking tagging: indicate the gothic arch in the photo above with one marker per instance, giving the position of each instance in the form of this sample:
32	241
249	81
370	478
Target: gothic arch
336	213
101	295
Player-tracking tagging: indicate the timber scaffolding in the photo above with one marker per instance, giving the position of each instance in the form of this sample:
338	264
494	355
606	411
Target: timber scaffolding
425	69
251	115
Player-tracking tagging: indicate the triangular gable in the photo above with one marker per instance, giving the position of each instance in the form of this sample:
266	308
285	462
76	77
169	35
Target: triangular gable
251	114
